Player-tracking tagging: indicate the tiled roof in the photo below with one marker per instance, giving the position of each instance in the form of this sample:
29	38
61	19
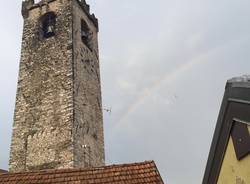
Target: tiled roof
137	173
2	171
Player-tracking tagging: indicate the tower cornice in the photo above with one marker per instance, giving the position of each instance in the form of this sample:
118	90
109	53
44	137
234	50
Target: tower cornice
28	5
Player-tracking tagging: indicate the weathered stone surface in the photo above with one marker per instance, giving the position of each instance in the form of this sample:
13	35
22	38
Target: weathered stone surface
88	125
58	116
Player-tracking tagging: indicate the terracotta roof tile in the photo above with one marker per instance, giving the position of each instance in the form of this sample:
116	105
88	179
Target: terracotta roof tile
136	173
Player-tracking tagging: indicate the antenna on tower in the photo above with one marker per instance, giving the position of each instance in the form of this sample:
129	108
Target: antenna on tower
108	110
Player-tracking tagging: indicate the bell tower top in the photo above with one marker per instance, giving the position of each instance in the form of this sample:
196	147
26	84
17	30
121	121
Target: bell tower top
28	5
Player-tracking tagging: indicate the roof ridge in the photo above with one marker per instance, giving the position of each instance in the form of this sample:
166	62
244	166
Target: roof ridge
70	170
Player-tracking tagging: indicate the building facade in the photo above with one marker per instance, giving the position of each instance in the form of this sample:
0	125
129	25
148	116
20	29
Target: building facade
58	119
229	157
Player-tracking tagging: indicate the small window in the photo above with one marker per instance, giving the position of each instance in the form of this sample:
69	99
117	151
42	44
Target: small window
48	22
85	34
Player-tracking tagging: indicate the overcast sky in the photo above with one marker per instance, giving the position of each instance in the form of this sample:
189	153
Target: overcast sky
164	64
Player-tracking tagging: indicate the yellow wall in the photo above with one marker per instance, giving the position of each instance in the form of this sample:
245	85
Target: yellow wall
234	171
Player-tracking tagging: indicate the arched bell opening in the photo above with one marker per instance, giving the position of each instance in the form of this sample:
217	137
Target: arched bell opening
47	25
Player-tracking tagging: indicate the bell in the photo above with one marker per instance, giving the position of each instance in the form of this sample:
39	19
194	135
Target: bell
50	29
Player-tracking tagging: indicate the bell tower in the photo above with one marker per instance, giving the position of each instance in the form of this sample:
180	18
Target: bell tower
58	119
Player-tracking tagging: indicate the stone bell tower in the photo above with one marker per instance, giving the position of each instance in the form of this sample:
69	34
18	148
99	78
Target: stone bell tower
58	119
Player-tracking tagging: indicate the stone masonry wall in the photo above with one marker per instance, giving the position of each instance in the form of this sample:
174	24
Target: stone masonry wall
49	148
88	120
42	129
58	119
58	116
